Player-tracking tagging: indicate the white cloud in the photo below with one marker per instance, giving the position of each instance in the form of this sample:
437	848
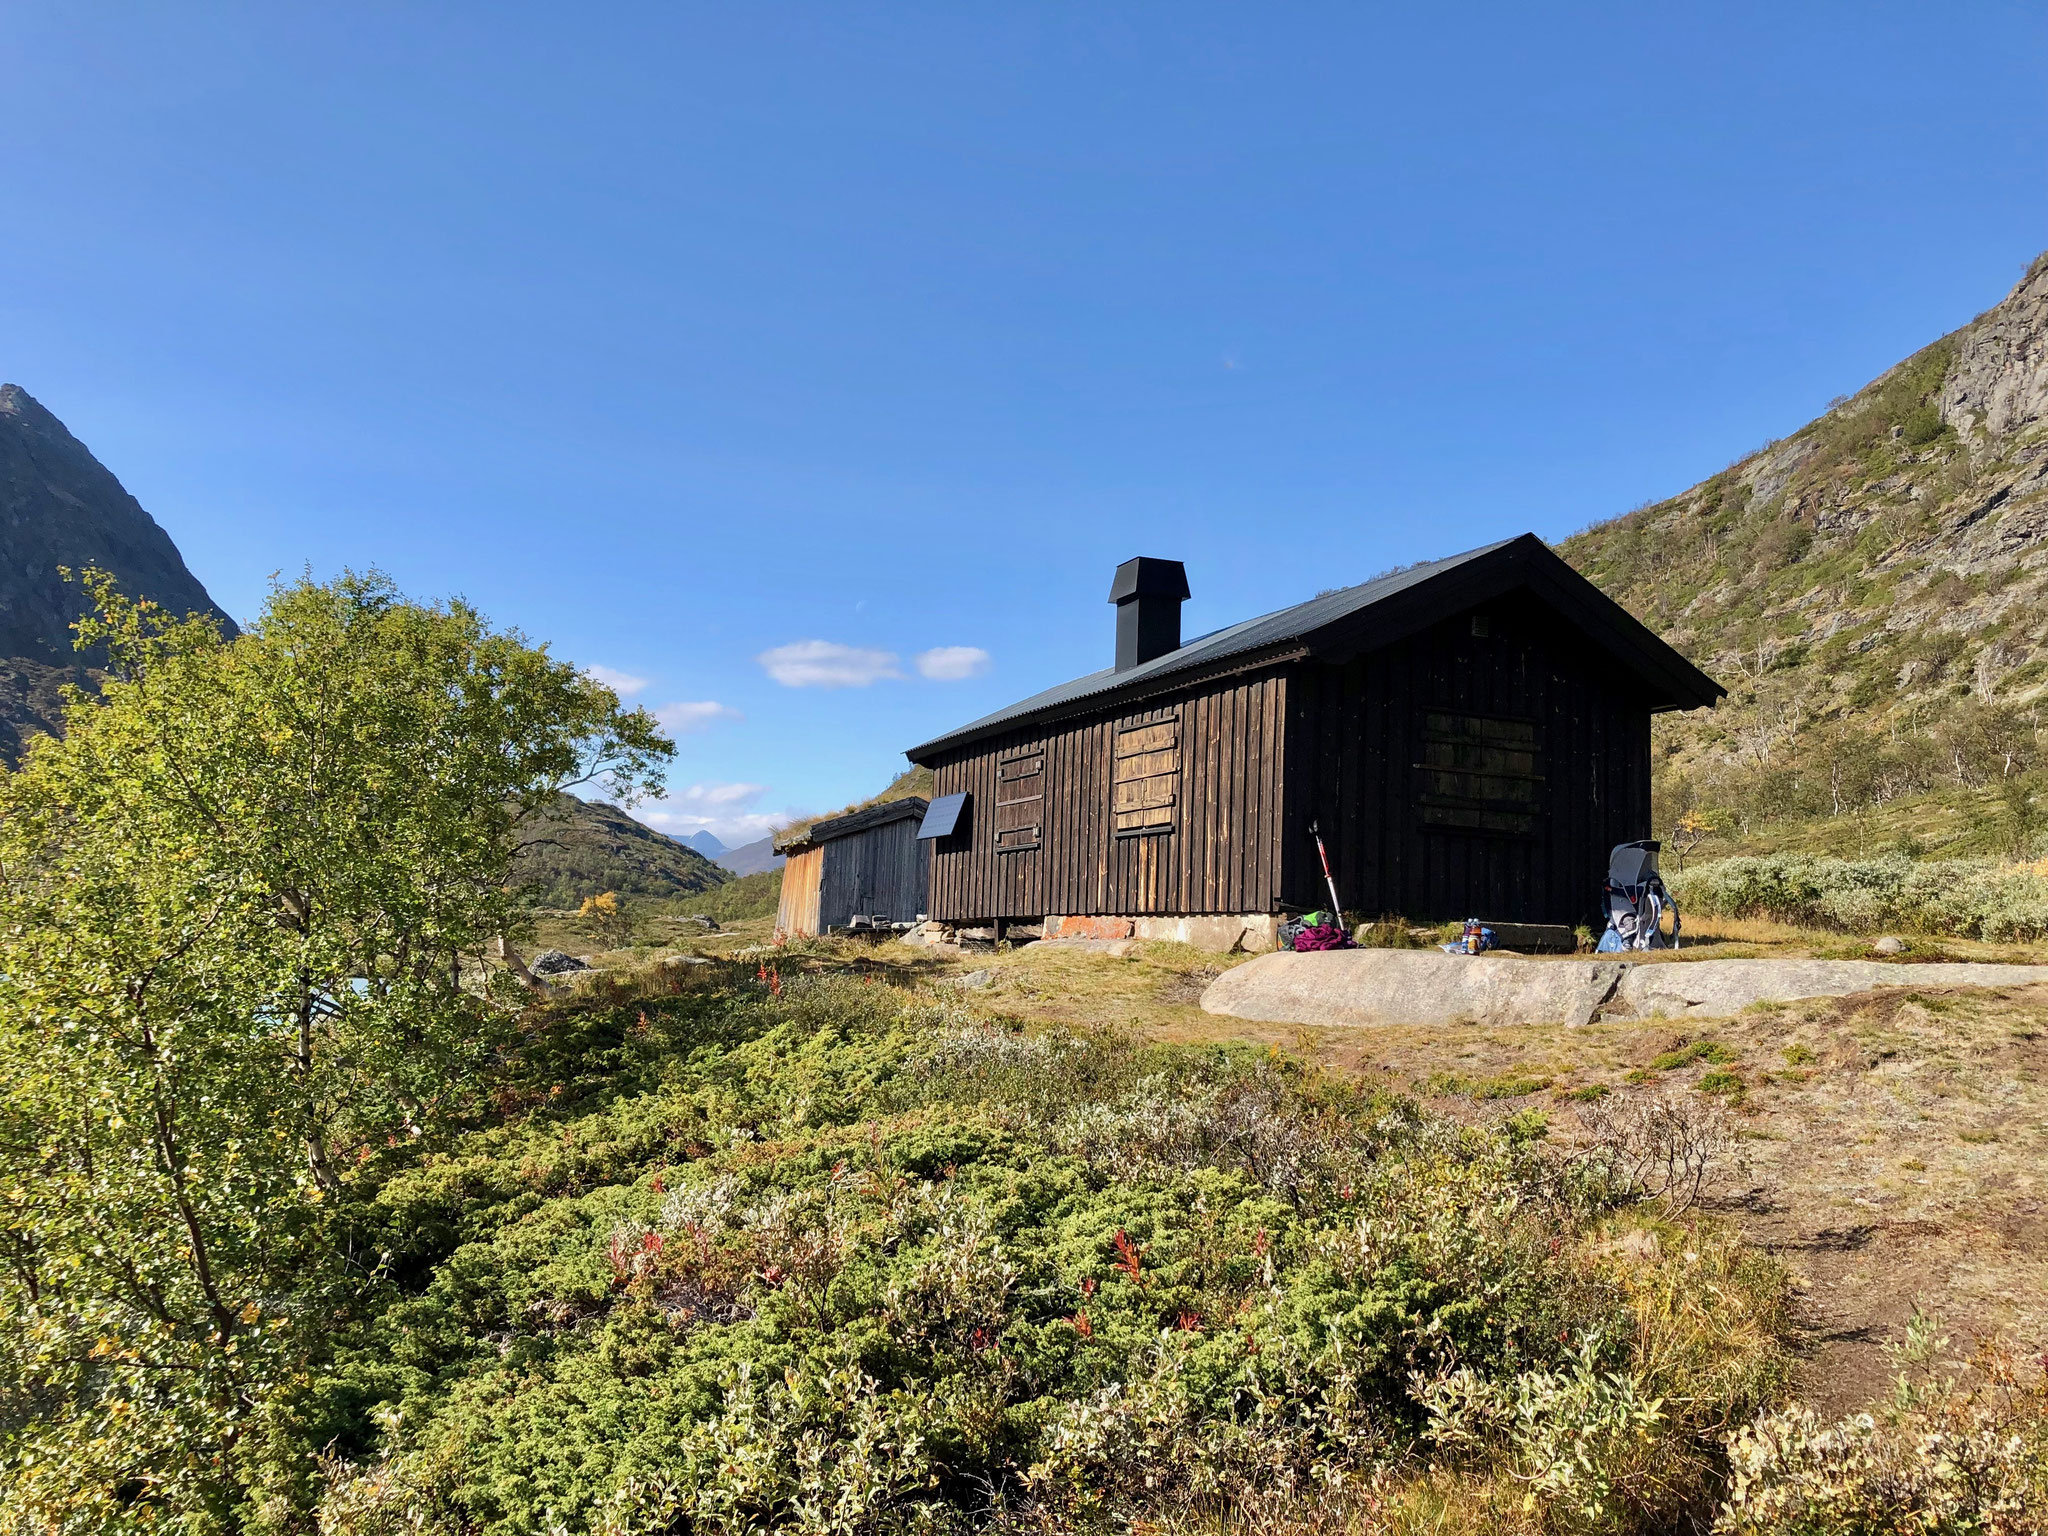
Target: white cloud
951	663
624	684
826	664
699	715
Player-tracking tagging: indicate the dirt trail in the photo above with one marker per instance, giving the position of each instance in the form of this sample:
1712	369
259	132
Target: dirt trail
1894	1147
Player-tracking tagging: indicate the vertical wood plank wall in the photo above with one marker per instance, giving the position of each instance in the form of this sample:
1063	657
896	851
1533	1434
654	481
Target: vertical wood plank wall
1223	854
876	872
802	873
1264	753
1355	736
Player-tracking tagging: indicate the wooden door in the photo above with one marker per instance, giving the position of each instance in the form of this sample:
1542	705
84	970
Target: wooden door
1020	800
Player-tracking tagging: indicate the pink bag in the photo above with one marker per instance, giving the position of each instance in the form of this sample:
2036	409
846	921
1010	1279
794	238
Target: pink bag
1329	936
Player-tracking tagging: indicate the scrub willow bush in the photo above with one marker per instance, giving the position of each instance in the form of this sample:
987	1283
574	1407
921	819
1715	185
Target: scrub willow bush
819	1255
1966	898
1943	1453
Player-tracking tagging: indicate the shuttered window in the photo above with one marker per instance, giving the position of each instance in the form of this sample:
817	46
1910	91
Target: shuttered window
1480	773
1020	801
1146	786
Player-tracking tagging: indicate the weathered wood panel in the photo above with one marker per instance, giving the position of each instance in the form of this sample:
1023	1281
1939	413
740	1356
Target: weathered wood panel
1465	774
1471	769
878	872
1164	810
802	876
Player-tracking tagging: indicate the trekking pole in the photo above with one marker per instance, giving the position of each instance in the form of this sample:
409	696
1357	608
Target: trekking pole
1336	907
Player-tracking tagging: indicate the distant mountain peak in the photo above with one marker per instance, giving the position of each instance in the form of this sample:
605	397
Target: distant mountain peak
61	508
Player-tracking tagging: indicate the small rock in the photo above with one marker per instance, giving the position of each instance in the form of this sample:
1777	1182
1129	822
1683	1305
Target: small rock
708	924
1889	946
552	962
974	981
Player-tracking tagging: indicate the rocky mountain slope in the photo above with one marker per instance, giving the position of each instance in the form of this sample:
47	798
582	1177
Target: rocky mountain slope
581	848
1871	589
61	508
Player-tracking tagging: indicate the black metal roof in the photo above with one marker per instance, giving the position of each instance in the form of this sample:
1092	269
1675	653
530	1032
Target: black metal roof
1357	619
855	821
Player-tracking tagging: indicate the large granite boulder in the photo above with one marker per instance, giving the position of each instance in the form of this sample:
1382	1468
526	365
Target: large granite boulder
1405	986
1411	986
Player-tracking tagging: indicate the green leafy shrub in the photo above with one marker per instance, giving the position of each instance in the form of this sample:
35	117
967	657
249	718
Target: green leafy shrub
1967	898
1699	1050
820	1255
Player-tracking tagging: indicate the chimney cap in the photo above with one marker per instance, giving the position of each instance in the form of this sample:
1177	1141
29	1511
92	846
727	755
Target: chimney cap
1149	576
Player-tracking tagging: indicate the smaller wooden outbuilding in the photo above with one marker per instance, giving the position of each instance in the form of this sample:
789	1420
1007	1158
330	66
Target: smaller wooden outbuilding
865	869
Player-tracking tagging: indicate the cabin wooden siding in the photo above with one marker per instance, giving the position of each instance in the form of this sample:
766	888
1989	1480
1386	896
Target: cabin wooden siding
879	871
1222	853
1344	744
796	914
876	872
1356	760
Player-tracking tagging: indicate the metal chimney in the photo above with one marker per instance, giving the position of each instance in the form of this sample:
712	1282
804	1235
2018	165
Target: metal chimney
1148	594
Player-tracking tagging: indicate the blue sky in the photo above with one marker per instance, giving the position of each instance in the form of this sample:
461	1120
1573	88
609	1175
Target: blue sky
687	337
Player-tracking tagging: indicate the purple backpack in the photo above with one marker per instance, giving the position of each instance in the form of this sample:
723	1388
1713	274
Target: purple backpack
1327	936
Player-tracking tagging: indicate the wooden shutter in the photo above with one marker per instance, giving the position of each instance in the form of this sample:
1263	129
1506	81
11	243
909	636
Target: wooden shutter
1020	800
1480	773
1146	785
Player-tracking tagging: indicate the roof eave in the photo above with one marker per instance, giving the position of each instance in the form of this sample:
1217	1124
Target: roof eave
1669	681
925	755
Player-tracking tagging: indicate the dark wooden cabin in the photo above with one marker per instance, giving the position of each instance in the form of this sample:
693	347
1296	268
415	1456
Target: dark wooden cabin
867	864
1472	735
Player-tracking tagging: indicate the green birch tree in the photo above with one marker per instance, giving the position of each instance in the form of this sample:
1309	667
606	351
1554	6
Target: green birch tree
246	909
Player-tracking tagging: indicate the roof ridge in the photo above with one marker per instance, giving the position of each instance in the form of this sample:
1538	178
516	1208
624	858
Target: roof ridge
1291	623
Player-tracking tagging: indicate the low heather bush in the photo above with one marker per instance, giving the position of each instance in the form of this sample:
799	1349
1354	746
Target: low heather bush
820	1255
1945	1453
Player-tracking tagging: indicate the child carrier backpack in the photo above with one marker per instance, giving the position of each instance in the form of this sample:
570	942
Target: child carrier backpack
1636	901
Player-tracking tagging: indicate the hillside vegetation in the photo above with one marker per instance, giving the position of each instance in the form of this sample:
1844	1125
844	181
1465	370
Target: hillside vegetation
811	1253
1871	590
573	848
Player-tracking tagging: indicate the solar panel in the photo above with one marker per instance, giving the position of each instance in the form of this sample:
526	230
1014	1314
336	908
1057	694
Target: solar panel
942	817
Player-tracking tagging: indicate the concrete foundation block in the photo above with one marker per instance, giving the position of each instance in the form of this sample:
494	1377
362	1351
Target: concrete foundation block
1219	934
1088	927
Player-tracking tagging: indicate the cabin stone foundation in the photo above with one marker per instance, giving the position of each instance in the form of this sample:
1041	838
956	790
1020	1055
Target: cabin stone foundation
1253	932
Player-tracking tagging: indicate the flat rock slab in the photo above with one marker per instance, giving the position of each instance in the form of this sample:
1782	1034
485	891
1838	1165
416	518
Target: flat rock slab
1411	986
1717	988
1404	986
